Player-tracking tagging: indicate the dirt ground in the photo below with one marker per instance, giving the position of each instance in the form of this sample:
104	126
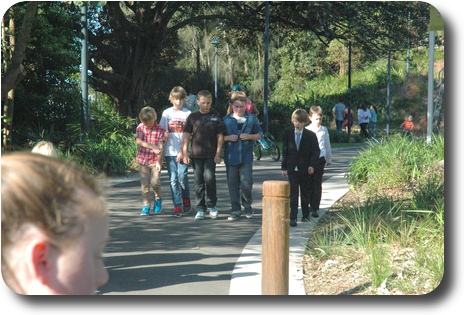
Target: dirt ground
344	275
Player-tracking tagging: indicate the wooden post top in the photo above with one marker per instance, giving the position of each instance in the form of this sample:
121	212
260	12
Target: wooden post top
276	188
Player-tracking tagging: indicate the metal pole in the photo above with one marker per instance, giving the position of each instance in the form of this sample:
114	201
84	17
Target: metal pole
349	92
216	76
266	72
430	87
84	73
388	92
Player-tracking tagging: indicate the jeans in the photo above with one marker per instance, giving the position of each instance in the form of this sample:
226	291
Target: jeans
204	171
240	183
371	128
339	125
178	176
150	178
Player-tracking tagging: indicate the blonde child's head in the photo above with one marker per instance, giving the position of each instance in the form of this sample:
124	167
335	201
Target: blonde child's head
53	212
45	148
300	115
147	115
177	93
408	117
238	96
315	110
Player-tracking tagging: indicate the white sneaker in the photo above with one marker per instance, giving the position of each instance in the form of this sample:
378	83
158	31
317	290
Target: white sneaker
213	213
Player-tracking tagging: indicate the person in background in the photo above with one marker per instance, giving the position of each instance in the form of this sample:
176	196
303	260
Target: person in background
300	154
54	227
242	129
205	130
372	120
191	103
250	107
363	119
337	112
325	159
345	119
407	125
173	121
45	148
150	139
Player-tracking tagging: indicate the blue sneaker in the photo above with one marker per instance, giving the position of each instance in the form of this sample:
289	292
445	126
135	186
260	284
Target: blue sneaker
145	210
158	206
200	215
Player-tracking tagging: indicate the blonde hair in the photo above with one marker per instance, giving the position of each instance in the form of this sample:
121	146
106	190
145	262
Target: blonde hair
205	94
177	93
316	110
300	115
42	191
238	96
147	114
45	148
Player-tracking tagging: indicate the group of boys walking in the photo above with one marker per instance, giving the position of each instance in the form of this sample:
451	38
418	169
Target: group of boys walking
197	139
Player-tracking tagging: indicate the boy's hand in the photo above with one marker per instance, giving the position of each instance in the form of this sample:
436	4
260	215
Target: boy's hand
284	173
310	170
217	159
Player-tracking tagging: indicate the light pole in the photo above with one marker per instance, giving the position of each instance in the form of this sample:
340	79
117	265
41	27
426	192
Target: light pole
216	43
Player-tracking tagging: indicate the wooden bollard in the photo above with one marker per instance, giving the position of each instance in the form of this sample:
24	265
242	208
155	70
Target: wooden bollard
275	237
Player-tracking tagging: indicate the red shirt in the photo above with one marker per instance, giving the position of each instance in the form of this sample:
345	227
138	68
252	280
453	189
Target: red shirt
408	125
154	135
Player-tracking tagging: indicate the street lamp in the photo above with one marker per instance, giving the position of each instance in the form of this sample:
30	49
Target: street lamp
216	43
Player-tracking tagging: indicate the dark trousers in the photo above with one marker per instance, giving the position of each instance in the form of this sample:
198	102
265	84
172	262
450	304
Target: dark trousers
315	194
300	186
204	171
364	130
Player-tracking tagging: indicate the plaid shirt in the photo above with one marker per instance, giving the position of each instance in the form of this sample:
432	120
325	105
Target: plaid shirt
154	135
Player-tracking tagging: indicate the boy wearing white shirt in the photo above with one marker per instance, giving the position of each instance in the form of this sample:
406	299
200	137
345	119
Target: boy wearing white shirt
325	157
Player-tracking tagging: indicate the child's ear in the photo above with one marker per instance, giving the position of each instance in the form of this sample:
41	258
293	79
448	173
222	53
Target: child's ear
39	260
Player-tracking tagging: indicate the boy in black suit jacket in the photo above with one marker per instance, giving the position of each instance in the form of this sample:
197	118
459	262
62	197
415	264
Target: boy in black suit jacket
298	162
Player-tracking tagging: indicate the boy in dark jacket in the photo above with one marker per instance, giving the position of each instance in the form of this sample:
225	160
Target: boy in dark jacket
300	154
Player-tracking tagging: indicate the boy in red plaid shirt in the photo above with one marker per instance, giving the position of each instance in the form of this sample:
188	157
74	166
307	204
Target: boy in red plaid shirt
150	141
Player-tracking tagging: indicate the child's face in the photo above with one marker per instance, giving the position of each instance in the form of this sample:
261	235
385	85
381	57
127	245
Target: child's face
315	119
239	108
149	123
79	268
177	103
205	104
298	125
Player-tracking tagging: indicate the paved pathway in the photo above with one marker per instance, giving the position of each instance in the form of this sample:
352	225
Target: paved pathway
165	255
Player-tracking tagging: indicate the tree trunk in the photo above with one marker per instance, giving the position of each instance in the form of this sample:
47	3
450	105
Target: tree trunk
13	68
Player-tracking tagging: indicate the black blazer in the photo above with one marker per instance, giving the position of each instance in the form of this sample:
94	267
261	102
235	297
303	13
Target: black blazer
306	156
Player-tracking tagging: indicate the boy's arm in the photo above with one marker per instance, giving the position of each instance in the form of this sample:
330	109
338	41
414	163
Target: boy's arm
185	145
217	157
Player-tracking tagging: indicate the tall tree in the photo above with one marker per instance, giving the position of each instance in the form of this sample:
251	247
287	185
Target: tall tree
13	71
131	40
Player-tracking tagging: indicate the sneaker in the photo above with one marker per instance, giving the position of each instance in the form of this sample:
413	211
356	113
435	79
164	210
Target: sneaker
305	219
187	206
145	210
200	215
234	216
213	213
158	206
249	213
314	214
293	222
177	211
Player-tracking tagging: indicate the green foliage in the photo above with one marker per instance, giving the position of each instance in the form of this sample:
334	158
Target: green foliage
109	147
393	161
402	238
